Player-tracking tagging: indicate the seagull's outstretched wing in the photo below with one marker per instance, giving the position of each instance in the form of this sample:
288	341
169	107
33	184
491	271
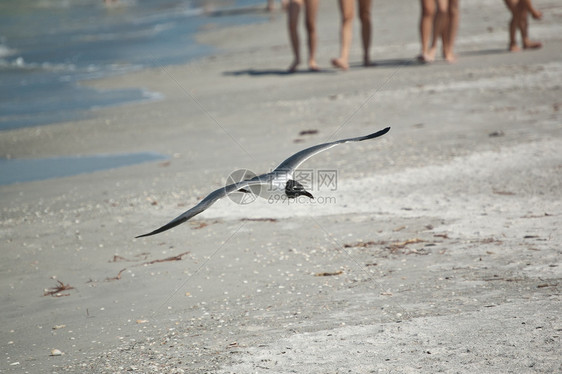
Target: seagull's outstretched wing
293	162
205	203
286	166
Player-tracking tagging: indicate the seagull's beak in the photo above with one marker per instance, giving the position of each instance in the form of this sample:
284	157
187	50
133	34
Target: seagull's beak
306	193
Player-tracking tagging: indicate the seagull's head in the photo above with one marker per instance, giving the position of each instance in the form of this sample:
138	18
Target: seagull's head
294	189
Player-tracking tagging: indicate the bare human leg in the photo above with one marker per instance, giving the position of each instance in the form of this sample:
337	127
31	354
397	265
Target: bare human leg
311	9
293	11
440	28
513	24
523	8
426	28
451	33
365	18
519	10
445	27
347	10
537	14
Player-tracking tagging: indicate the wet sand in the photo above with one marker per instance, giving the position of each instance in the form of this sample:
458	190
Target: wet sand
437	250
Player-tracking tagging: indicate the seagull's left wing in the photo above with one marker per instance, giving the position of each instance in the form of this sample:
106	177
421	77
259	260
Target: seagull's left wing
293	162
209	200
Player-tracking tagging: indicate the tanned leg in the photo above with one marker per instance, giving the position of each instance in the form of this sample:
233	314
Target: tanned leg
524	7
365	17
440	28
426	27
537	14
513	24
311	9
451	33
347	10
293	11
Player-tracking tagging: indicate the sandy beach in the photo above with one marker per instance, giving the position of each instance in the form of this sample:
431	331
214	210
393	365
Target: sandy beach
437	248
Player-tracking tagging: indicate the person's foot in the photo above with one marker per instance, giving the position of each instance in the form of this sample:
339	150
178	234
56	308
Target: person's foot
293	67
366	61
513	47
537	14
430	55
529	44
451	58
312	66
338	63
423	58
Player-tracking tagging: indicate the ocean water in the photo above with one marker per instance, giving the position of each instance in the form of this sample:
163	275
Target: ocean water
28	170
47	47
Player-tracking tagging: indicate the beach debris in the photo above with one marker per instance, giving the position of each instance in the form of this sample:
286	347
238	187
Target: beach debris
362	244
392	246
117	277
172	258
141	321
56	352
151	200
196	225
56	291
200	225
496	134
259	219
58	327
305	132
117	258
328	274
505	193
308	132
398	245
444	236
530	237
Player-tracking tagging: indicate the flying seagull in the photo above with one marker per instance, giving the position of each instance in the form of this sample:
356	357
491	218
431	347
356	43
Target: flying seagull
278	182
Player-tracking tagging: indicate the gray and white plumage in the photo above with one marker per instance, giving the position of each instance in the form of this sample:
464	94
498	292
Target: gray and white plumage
278	181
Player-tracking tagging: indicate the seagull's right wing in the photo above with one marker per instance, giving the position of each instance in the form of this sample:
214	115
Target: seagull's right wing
293	162
205	203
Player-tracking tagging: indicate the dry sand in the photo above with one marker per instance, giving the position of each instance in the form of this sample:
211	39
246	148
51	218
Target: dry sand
439	250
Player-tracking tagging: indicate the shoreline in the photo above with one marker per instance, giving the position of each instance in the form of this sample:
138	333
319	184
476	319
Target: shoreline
106	41
439	252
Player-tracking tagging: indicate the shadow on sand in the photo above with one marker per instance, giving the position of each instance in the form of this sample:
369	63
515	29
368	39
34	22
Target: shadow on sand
484	52
237	11
279	72
387	63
